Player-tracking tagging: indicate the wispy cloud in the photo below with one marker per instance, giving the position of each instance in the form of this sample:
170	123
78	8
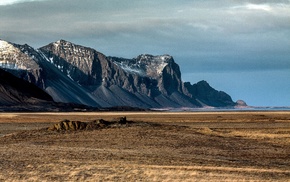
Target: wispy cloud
204	37
11	2
264	7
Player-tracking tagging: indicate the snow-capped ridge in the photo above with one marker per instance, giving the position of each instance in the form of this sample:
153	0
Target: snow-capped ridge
62	41
144	64
164	57
6	46
154	64
12	56
67	44
7	49
131	69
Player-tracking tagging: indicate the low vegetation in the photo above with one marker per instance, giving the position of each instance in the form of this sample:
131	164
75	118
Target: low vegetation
157	146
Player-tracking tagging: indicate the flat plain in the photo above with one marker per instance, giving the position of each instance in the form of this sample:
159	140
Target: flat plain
158	146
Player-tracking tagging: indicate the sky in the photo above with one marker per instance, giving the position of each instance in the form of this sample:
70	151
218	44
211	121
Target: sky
238	46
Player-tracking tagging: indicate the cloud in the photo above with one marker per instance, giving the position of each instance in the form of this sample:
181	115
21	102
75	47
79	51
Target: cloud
264	7
223	33
11	2
197	15
220	38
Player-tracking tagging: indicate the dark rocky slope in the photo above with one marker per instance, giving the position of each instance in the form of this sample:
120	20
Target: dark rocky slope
207	96
16	91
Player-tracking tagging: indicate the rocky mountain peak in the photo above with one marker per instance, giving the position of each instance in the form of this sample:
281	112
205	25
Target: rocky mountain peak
158	59
16	57
63	45
5	46
8	52
62	42
154	64
145	65
65	48
81	64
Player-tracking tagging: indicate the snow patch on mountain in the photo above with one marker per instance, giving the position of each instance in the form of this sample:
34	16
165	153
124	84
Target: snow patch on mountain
153	65
50	60
9	56
160	67
42	55
7	65
6	47
134	69
144	65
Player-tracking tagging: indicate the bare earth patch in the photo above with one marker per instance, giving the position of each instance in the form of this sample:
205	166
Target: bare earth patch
157	146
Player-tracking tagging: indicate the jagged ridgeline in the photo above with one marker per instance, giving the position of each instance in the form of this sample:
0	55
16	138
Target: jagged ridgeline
72	73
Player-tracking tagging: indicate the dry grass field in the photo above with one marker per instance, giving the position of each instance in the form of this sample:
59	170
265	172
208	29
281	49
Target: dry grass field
159	146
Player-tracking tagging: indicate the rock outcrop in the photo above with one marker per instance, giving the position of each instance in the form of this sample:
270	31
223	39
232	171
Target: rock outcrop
241	103
67	125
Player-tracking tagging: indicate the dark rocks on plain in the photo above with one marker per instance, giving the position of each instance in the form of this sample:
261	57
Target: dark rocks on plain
67	125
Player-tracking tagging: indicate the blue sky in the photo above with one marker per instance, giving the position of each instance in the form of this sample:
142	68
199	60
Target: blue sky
240	47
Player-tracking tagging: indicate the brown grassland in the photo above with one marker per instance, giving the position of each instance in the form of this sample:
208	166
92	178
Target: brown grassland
159	146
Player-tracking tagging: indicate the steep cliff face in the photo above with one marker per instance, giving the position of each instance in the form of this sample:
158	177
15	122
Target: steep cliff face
78	74
207	96
152	75
157	77
79	63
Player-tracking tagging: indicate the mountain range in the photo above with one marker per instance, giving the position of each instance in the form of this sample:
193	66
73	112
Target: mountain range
71	73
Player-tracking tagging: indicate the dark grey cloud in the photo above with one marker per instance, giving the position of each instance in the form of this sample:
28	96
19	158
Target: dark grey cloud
203	36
